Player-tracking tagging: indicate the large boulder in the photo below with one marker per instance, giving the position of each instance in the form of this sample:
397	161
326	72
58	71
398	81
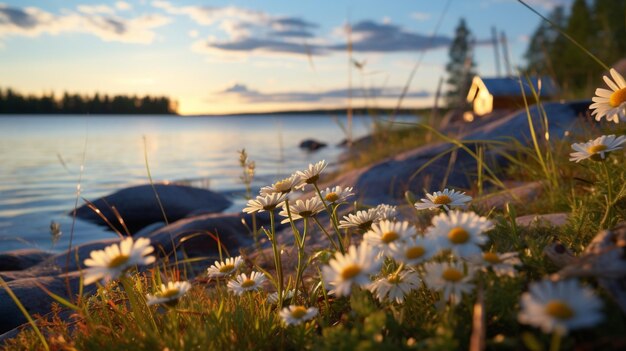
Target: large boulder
34	298
312	145
138	205
198	236
388	180
21	259
190	237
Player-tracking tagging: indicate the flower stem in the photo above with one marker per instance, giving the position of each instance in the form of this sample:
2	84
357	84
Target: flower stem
333	220
609	191
325	232
301	254
555	343
277	260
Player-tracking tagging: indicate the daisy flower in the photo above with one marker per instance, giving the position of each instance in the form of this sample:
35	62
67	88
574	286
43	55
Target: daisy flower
312	174
226	268
413	251
281	187
450	279
597	148
168	294
116	259
337	194
294	315
446	199
395	286
610	103
302	209
501	263
273	297
386	211
386	232
461	232
560	306
362	220
242	283
264	203
354	267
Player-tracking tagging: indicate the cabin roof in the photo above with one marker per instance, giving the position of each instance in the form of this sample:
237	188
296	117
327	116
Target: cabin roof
510	86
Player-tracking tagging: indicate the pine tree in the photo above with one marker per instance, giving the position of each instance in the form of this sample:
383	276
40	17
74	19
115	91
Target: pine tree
609	16
575	68
543	43
461	66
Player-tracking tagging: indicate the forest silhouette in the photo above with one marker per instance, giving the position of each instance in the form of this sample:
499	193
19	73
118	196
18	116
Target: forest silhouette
12	102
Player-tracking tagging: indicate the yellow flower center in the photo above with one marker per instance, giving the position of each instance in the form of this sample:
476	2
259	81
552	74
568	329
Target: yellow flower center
298	312
559	309
283	186
415	252
458	235
227	268
170	293
313	179
394	279
331	197
248	283
596	148
118	261
491	257
269	207
366	225
442	200
452	275
350	272
617	97
389	237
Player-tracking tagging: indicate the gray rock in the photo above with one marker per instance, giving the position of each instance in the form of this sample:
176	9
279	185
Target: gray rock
517	195
149	229
551	219
35	299
21	259
138	205
197	236
57	263
312	145
387	180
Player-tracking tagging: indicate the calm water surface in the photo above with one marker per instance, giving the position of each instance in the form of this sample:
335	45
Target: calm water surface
41	157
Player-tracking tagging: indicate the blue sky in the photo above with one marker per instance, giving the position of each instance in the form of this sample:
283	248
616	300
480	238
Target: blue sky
239	56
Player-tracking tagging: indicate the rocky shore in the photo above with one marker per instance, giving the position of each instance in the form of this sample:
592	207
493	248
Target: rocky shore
195	222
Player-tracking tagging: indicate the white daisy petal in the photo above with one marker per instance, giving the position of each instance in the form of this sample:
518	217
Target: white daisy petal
560	306
116	259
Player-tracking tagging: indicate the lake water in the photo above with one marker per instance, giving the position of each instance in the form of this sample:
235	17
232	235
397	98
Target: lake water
41	158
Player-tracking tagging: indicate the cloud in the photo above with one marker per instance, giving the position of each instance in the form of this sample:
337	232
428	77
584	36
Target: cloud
242	92
369	36
95	20
94	9
250	31
123	6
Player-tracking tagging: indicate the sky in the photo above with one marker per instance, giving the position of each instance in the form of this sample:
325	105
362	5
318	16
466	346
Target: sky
216	57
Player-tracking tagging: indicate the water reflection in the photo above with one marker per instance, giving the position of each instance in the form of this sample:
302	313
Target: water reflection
41	157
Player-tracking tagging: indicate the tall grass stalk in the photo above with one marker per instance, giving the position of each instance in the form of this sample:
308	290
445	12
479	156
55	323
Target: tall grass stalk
73	227
25	313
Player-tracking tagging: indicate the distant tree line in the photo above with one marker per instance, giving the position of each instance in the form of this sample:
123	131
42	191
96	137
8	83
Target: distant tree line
599	26
13	102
